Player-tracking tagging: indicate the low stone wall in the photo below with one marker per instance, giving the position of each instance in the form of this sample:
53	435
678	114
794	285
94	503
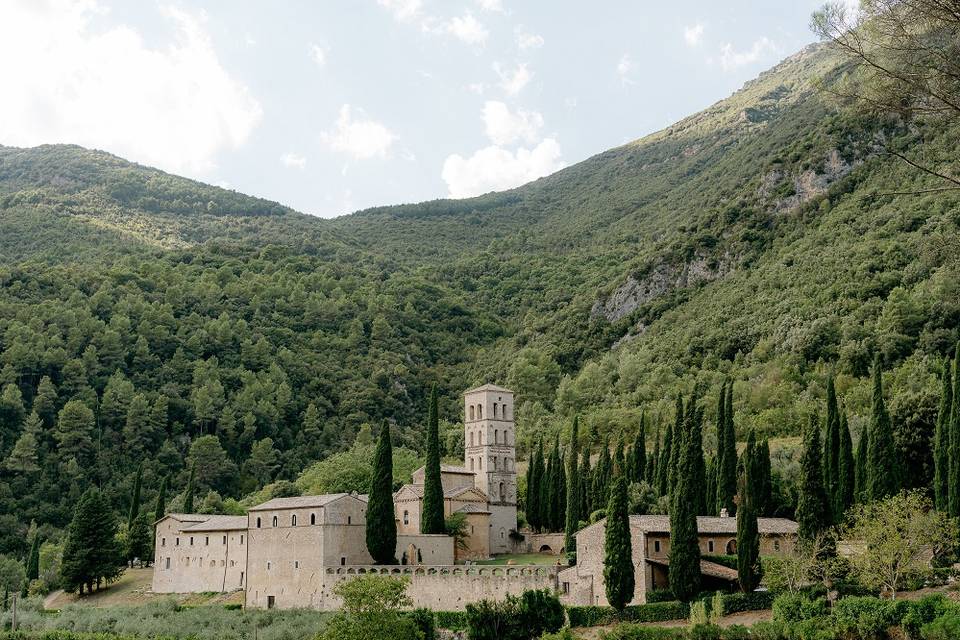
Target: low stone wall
539	543
443	588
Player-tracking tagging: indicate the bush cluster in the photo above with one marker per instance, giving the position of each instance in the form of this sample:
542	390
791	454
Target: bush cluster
516	618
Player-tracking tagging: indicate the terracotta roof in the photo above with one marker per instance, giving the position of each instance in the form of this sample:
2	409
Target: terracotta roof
219	523
488	387
451	468
417	490
707	568
471	507
299	502
186	517
710	524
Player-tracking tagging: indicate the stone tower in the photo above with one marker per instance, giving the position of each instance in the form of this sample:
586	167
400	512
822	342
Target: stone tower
489	443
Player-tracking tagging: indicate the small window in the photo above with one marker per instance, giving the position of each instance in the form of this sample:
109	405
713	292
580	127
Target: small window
496	434
191	541
349	519
480	411
471	459
776	545
566	587
502	534
163	542
168	562
269	565
206	541
296	564
258	523
710	546
406	517
241	538
224	539
178	542
293	520
313	518
233	563
471	414
241	578
656	546
494	410
274	520
343	561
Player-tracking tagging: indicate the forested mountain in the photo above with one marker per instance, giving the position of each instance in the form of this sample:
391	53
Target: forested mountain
146	317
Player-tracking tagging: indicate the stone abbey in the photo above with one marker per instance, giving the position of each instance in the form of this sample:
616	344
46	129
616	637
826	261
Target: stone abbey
291	552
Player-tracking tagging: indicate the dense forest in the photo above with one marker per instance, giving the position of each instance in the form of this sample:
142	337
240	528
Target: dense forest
768	241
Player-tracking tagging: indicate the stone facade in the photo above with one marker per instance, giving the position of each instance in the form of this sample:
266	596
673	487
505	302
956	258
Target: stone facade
200	553
583	584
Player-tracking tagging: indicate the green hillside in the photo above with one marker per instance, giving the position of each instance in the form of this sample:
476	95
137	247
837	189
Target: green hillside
759	239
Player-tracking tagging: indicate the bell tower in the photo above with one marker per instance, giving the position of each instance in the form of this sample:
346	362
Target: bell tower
489	452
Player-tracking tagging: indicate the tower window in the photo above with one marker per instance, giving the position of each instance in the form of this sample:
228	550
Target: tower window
241	538
494	410
313	518
274	520
293	520
471	464
471	438
206	541
503	493
258	523
224	539
472	413
480	411
406	517
496	435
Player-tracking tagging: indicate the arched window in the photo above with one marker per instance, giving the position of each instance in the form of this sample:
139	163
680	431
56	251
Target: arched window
349	519
471	438
406	517
258	523
313	518
503	493
480	411
496	436
494	410
480	463
274	520
471	413
293	520
503	413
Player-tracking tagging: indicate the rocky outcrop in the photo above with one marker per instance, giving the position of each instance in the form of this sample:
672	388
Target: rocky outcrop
804	186
661	279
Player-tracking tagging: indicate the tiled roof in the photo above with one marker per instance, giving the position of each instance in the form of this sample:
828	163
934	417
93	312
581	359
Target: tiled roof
488	387
471	507
712	524
451	468
219	523
299	502
707	568
186	517
417	490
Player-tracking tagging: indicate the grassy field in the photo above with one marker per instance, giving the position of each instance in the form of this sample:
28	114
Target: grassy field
522	558
133	588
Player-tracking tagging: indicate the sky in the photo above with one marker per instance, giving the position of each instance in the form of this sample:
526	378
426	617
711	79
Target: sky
330	106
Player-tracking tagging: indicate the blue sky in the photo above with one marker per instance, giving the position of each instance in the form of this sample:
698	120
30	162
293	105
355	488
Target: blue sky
336	105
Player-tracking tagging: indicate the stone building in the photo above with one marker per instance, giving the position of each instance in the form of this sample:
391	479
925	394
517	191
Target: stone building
200	553
650	535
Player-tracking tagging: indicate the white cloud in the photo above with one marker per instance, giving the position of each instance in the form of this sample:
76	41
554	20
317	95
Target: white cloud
495	168
527	40
693	34
467	29
402	10
318	54
171	105
491	5
513	80
360	137
504	127
293	160
730	59
477	88
624	67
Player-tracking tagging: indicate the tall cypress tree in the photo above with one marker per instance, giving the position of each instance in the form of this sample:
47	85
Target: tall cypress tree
846	467
381	520
831	452
678	446
601	477
883	477
534	478
764	482
160	507
953	508
586	508
652	463
813	504
640	451
188	496
860	467
748	535
573	489
941	443
431	520
556	491
135	498
695	435
33	560
618	574
620	460
663	462
560	495
727	463
718	498
684	569
710	488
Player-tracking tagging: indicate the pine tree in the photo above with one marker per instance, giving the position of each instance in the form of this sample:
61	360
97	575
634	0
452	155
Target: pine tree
573	490
941	446
188	495
684	569
135	497
883	478
381	522
90	554
748	535
160	507
24	456
586	475
431	521
531	502
831	452
45	401
953	507
860	467
640	451
663	462
727	464
813	505
846	467
618	576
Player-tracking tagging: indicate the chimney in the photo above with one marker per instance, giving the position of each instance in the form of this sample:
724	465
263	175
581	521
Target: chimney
724	513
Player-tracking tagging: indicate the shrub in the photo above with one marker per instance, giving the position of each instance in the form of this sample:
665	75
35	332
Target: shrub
451	620
659	595
706	632
528	616
794	607
946	627
592	616
867	617
753	601
637	632
423	619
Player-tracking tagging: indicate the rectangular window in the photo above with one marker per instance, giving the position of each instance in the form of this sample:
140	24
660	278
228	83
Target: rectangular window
296	564
241	538
271	602
178	542
656	546
168	563
566	587
191	541
163	542
343	561
268	566
224	539
206	542
710	546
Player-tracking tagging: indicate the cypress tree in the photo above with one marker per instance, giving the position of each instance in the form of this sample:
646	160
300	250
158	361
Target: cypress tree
710	488
831	452
764	482
534	478
381	523
586	475
813	505
719	499
620	460
601	477
33	560
663	462
695	435
431	520
188	496
546	489
748	535
953	508
860	467
727	464
677	447
135	498
654	459
941	446
560	496
882	465
684	569
573	490
640	451
618	574
846	467
160	507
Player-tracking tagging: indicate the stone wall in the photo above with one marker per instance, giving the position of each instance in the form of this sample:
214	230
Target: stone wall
426	548
539	543
198	562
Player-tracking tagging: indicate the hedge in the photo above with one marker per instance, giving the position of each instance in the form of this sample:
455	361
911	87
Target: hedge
592	616
451	620
753	601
